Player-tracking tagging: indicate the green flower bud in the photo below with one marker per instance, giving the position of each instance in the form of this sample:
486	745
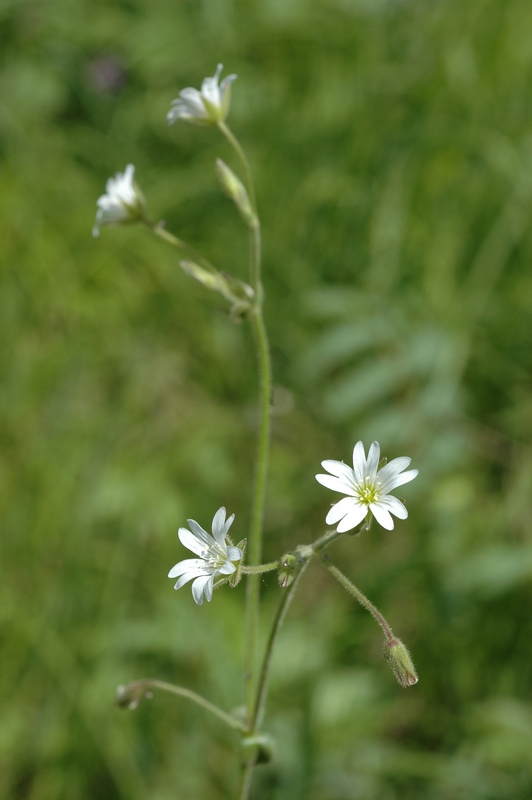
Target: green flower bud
287	568
400	661
235	190
238	293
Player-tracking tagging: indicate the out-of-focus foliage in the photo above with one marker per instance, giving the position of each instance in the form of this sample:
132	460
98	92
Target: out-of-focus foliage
392	147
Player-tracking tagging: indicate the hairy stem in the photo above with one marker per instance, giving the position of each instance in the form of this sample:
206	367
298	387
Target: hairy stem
355	592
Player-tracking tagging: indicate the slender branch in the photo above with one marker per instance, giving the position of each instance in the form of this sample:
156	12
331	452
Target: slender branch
282	608
355	592
326	539
159	230
180	691
259	569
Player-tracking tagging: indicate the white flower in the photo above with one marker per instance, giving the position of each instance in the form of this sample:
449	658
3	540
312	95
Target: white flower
367	488
215	556
206	107
122	202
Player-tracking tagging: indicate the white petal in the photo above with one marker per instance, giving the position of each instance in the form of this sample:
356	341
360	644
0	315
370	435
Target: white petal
188	576
200	533
190	100
340	509
192	542
207	589
226	84
393	481
218	524
382	515
189	564
234	553
359	462
227	569
338	469
229	521
336	484
353	519
199	586
394	506
373	460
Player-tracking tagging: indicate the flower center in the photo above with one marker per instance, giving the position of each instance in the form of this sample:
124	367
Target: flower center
368	491
215	557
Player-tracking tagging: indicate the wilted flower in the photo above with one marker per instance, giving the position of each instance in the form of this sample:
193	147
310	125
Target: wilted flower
215	556
367	488
205	107
122	202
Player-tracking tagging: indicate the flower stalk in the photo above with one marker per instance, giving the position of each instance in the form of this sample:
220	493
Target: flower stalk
130	695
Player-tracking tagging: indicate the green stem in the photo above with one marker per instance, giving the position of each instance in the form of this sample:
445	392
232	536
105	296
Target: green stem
282	608
326	539
355	592
245	780
255	537
261	568
254	230
180	691
160	231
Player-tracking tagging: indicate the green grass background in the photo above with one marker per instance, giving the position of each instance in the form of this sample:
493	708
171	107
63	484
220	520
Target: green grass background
391	143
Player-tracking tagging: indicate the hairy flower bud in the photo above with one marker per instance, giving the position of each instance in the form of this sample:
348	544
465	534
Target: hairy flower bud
400	661
287	567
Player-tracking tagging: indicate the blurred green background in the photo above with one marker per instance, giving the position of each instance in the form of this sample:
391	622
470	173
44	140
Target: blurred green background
391	144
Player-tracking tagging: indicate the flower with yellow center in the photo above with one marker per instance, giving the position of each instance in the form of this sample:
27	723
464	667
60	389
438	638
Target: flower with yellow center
367	488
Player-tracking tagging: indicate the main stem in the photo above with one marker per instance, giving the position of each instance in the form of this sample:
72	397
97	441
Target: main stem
255	537
261	469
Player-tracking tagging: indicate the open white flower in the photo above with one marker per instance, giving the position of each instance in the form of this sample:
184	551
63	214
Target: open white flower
122	202
205	107
367	488
215	556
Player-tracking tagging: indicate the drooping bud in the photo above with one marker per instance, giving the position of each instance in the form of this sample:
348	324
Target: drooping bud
131	695
235	190
401	662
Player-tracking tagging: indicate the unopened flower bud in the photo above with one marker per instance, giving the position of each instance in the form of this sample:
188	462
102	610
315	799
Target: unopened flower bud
131	695
235	190
287	568
400	661
238	293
